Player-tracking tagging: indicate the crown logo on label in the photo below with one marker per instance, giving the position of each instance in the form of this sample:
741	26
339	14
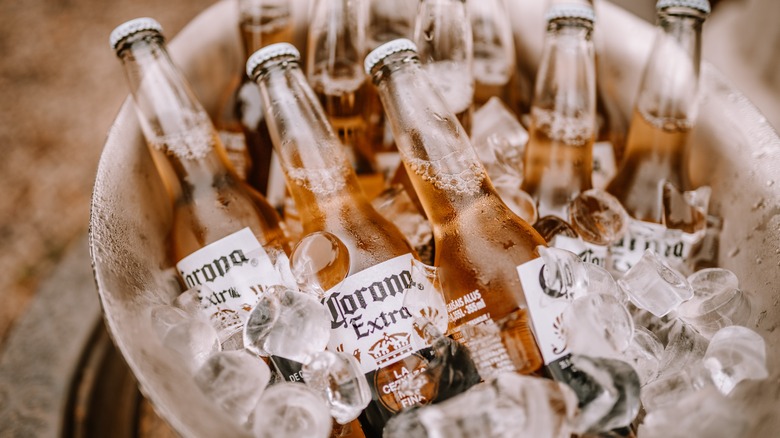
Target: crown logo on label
391	347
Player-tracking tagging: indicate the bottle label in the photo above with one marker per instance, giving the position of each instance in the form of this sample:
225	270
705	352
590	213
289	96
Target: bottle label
673	245
369	319
586	251
604	165
231	274
546	306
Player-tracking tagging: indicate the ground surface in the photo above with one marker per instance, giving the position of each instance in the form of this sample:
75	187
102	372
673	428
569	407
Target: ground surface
60	88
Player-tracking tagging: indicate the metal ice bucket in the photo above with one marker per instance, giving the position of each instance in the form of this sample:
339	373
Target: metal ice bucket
734	150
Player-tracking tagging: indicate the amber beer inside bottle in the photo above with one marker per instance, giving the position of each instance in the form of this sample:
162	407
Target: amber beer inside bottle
215	203
664	113
656	149
479	242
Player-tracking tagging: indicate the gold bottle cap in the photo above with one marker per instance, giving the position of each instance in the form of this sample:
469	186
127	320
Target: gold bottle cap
268	53
385	50
699	5
132	27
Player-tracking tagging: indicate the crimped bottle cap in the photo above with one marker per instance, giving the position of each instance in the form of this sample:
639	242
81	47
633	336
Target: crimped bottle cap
385	50
570	10
270	52
699	5
131	27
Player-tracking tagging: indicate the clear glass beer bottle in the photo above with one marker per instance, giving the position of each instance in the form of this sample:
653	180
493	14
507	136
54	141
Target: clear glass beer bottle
479	241
335	49
368	317
443	35
218	220
494	49
240	121
558	158
664	112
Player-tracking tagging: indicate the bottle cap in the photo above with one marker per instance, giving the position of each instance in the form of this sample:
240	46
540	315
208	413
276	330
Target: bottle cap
570	10
699	5
387	49
270	52
131	27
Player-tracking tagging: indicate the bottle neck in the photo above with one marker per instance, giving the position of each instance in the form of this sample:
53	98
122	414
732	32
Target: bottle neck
318	171
336	46
668	94
262	23
558	157
177	128
437	153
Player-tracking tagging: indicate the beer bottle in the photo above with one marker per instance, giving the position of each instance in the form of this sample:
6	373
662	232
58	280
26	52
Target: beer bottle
611	125
494	49
664	112
558	158
240	122
368	317
219	222
479	241
334	53
442	33
662	119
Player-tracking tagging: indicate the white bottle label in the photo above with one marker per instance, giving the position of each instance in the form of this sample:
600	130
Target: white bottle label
231	274
604	165
369	320
673	245
545	307
586	251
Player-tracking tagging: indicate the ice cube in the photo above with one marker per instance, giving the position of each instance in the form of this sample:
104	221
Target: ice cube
499	139
684	348
319	261
598	217
164	317
564	273
193	340
735	353
291	410
674	386
288	324
601	282
653	285
234	380
397	207
614	399
704	413
338	379
424	298
517	199
685	211
644	354
550	226
717	302
597	325
659	327
508	405
189	302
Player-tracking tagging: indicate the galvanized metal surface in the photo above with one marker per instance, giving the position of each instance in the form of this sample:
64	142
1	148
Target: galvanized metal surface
734	150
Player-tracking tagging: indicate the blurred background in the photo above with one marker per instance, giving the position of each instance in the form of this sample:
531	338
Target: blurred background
61	87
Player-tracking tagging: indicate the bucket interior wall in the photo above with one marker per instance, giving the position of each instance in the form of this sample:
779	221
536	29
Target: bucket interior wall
734	150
